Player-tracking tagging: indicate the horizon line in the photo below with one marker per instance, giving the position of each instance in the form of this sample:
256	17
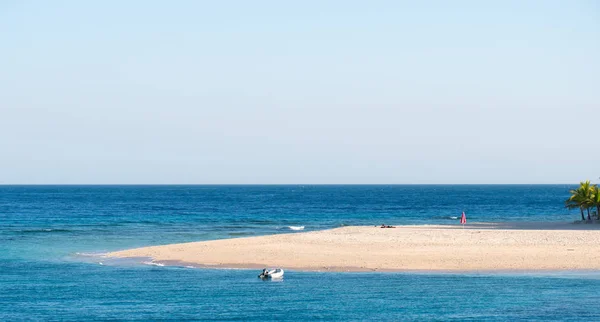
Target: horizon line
277	184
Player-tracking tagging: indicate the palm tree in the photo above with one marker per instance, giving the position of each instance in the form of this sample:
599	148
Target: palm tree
595	200
573	203
581	198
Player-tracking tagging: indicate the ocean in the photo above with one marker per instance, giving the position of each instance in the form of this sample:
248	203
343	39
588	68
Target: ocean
52	239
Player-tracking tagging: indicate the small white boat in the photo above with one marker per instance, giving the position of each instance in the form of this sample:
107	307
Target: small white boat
276	273
271	273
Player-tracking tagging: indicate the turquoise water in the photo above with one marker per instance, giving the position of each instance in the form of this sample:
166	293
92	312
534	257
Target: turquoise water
50	235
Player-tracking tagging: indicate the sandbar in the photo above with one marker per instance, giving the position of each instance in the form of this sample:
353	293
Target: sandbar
476	247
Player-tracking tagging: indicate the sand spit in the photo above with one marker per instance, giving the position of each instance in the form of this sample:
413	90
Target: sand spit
501	247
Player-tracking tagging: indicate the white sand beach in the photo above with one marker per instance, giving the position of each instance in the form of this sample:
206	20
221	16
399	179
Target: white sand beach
527	246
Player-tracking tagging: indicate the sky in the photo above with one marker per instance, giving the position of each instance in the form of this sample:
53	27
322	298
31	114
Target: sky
271	92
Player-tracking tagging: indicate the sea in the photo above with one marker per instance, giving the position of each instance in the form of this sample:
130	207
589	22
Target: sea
52	241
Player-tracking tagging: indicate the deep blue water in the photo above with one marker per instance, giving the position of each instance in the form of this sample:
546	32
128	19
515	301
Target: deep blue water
47	233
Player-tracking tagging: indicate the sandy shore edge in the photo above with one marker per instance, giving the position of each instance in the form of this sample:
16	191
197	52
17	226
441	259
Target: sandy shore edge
479	247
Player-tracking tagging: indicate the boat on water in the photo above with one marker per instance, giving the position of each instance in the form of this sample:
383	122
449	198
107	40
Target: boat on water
271	273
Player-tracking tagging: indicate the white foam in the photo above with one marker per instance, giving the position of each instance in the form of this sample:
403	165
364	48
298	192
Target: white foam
91	254
296	227
153	264
453	217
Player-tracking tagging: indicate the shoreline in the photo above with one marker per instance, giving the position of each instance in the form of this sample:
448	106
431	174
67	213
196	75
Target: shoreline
478	248
253	267
549	273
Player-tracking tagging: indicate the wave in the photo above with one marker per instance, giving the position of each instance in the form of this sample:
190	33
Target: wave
44	230
125	222
241	234
445	217
153	264
83	254
296	227
255	221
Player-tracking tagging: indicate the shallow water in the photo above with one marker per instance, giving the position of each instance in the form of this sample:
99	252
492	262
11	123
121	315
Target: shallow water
51	238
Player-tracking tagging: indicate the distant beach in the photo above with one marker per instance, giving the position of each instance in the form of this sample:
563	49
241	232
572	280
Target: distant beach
477	246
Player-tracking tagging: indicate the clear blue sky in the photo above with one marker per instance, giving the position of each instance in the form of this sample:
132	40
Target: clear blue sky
302	92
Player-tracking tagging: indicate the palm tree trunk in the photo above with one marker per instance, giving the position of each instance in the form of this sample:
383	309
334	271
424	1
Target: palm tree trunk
588	211
582	215
598	212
